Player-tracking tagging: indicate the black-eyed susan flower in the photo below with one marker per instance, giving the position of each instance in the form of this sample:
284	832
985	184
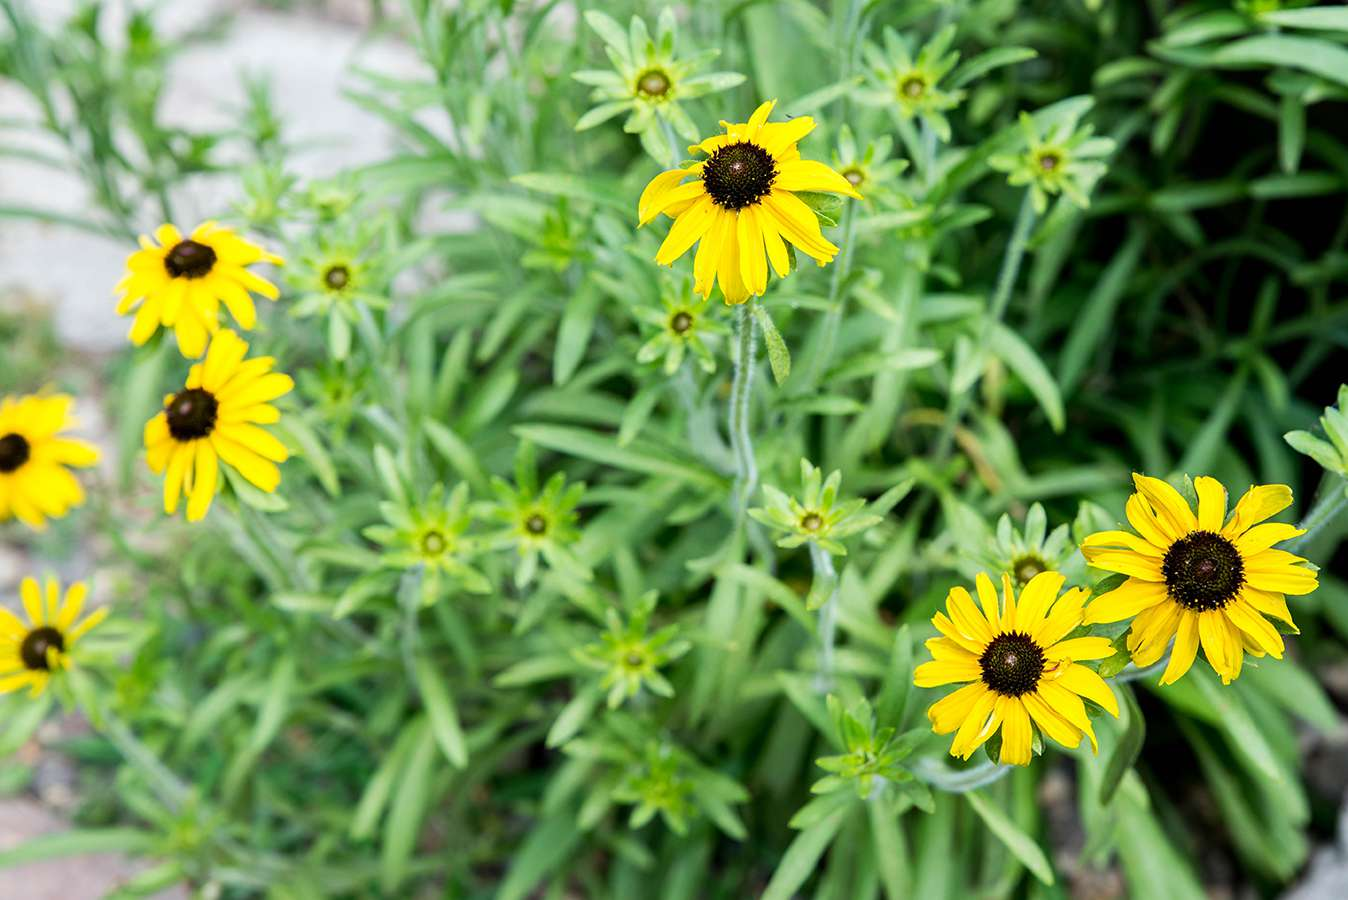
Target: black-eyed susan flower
35	481
30	653
215	418
1203	579
1065	160
180	283
1024	671
740	205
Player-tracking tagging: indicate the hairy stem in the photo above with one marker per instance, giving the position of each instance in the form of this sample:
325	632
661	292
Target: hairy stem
828	618
741	441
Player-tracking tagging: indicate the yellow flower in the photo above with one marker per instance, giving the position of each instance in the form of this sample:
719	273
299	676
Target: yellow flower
214	418
741	204
180	284
29	654
1021	668
34	481
1196	579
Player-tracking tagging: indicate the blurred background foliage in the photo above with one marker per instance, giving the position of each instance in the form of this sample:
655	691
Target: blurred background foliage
628	700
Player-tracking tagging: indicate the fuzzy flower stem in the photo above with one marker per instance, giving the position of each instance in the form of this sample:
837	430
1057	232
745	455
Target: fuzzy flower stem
746	469
828	618
1332	500
1001	298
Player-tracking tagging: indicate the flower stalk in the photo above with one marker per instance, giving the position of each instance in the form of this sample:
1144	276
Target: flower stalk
741	389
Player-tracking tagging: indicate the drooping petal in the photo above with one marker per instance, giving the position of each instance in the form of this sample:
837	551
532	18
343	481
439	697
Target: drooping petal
1185	650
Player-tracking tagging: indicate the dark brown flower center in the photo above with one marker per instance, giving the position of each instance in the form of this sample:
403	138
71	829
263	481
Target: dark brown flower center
536	524
738	175
1049	161
854	176
14	452
680	322
191	414
653	83
188	259
1203	571
33	650
1012	664
811	521
337	277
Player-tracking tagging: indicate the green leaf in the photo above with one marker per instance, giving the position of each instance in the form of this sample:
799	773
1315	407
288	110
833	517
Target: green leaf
1318	57
409	806
779	357
801	858
1321	18
1021	845
639	456
77	843
573	335
1020	358
440	707
891	850
1128	747
548	845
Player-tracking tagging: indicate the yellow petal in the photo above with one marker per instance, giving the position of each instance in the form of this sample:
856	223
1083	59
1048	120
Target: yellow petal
950	711
203	481
1185	650
979	725
809	175
1017	734
1259	502
1035	599
687	229
753	256
1211	503
1170	508
1050	723
31	595
1125	601
946	671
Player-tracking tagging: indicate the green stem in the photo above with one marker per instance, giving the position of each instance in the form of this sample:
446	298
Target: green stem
1001	298
822	563
741	441
1332	500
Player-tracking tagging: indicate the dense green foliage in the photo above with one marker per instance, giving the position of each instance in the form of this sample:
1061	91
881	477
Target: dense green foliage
605	679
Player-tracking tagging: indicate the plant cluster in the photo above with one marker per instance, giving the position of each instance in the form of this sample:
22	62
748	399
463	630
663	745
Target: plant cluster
509	566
